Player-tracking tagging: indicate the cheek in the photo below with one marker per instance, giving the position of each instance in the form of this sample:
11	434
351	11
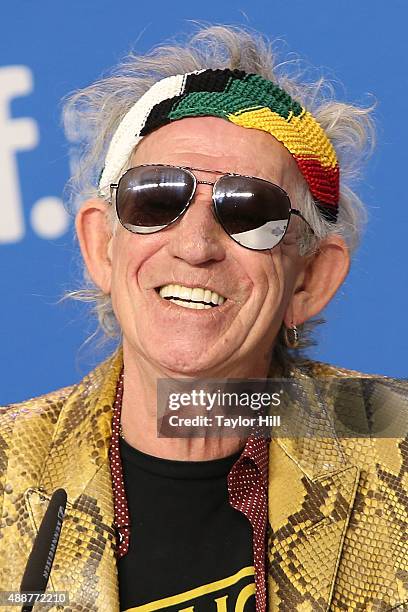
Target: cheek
266	275
286	266
126	260
279	276
121	255
275	271
132	254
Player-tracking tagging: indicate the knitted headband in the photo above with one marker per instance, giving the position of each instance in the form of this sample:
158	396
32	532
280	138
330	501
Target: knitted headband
248	100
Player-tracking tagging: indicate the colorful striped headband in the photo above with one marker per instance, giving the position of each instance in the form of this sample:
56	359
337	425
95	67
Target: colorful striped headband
248	100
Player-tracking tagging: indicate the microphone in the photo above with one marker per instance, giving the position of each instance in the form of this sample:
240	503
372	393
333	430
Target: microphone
42	555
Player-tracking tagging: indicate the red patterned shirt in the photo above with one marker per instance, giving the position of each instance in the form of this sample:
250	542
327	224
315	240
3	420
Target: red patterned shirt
247	489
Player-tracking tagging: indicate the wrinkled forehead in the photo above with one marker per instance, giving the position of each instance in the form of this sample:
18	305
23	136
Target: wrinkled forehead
213	143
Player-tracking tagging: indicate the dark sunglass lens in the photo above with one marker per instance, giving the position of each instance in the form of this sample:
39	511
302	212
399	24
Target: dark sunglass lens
253	212
151	197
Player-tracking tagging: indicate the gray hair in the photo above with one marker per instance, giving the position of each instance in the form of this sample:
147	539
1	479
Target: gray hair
92	115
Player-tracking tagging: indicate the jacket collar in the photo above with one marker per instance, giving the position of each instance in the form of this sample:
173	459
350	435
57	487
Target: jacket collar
308	433
83	431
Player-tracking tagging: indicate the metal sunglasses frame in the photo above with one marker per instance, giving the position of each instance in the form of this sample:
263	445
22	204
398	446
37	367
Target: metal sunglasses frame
114	187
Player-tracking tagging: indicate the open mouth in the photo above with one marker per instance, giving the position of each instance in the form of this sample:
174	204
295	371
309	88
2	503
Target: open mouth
191	297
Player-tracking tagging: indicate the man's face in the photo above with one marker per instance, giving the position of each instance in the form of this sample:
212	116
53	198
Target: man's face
196	252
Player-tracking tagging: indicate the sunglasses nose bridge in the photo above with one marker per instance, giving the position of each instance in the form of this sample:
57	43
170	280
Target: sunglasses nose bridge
203	205
205	183
197	236
211	184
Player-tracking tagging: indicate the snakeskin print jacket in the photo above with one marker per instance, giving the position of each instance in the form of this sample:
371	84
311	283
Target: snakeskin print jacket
338	504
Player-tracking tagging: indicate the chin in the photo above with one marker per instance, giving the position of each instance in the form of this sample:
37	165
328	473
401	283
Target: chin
186	362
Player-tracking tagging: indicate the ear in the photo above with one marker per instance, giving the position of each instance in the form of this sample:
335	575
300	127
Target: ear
319	280
94	234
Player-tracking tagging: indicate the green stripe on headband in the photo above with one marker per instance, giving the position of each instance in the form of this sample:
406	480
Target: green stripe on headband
238	96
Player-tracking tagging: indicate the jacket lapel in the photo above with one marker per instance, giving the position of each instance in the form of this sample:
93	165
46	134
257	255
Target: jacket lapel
312	487
85	564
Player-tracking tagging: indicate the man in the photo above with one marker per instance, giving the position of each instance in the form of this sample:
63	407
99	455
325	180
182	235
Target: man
219	227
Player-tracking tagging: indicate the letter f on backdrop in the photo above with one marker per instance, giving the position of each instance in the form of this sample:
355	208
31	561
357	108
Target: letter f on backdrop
15	135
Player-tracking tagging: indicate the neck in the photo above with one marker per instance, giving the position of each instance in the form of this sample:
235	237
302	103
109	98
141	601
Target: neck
139	413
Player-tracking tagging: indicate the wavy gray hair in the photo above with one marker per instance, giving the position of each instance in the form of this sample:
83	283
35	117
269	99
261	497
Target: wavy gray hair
92	115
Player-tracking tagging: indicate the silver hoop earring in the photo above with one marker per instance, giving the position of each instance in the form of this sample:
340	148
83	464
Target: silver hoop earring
291	336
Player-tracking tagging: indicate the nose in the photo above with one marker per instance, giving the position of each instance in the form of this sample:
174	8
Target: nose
197	236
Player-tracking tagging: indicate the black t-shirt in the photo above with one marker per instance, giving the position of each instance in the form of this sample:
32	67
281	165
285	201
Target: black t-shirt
189	549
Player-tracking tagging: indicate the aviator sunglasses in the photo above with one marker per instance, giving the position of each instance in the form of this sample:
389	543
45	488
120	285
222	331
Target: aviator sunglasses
253	211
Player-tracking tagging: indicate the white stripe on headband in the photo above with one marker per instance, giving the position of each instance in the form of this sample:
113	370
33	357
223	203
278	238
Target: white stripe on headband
127	133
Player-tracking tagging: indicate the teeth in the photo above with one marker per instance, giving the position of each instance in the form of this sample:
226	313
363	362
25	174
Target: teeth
185	292
196	296
193	305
